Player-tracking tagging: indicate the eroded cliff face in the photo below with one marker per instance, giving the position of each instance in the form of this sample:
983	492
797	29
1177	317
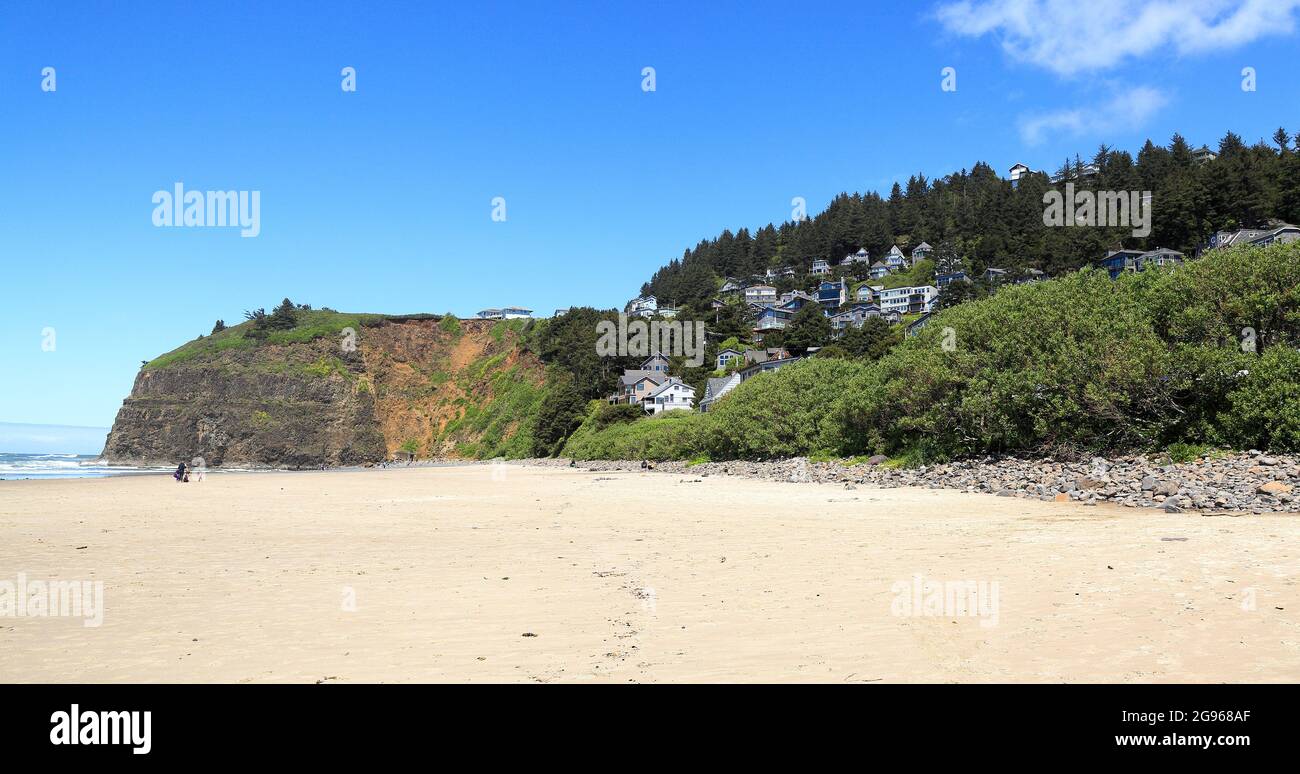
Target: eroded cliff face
304	399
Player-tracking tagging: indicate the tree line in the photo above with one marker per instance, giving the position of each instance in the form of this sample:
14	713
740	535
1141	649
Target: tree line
979	219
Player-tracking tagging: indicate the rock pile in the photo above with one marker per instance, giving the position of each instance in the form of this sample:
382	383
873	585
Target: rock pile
1252	482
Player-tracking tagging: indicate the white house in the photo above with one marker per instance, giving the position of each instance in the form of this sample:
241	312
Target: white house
908	300
1257	237
895	260
820	267
861	256
921	252
1018	171
645	306
760	294
715	388
672	395
505	313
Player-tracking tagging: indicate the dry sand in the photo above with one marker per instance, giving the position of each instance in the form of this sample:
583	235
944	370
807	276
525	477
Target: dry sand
631	577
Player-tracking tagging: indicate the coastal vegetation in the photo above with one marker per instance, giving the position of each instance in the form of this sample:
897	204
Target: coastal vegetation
1204	356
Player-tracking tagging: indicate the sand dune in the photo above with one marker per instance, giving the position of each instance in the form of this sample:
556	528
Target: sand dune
437	574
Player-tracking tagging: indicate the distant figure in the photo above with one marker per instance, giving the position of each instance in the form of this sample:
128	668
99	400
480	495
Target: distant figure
199	468
181	475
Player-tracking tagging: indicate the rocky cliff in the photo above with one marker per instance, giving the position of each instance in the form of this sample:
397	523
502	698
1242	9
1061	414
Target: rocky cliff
335	389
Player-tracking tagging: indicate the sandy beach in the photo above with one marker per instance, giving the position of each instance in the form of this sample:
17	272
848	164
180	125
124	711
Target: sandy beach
485	573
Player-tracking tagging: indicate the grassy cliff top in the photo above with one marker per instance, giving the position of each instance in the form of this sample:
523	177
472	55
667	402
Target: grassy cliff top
310	325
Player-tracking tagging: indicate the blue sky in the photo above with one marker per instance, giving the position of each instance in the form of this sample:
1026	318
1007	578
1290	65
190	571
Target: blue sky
380	200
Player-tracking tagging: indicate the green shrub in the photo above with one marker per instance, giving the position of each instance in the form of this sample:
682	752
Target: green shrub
673	435
615	413
1265	404
1070	364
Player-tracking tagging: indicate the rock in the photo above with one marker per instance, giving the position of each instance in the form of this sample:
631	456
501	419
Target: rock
1273	488
1006	493
1148	483
1083	482
1172	507
1062	497
877	459
1167	488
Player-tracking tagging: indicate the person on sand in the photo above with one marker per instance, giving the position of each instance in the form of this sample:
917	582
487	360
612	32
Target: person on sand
181	475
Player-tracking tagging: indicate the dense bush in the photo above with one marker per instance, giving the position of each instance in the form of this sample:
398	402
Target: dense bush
1067	364
672	435
785	413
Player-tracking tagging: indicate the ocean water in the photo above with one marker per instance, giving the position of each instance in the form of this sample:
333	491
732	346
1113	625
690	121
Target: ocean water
18	466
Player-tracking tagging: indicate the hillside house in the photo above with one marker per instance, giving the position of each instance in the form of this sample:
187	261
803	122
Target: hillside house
908	300
672	395
895	260
865	293
833	295
916	325
795	300
717	387
820	267
635	384
643	306
1280	233
1117	262
505	313
921	252
860	257
1018	171
942	281
771	318
762	295
727	356
855	316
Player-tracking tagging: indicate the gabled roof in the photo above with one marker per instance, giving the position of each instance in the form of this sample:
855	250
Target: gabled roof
922	246
668	385
632	376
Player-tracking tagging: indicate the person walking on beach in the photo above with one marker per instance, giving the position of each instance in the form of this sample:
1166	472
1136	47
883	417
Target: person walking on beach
181	475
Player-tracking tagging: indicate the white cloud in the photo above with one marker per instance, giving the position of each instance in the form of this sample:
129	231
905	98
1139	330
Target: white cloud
1070	37
1126	112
